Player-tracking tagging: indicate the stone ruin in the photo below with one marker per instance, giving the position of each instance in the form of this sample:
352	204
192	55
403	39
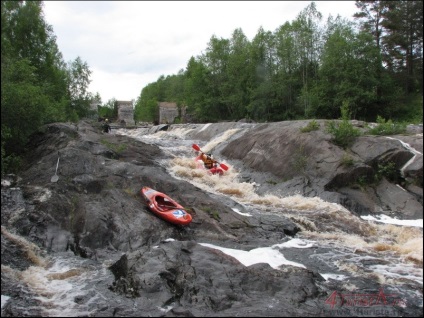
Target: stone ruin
125	113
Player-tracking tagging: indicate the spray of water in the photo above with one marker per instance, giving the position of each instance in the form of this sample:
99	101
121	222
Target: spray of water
58	281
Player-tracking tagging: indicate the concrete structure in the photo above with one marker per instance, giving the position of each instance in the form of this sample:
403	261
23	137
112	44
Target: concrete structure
125	113
168	111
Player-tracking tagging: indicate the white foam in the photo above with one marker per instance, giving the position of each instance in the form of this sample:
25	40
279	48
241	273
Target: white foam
204	127
297	243
241	213
333	276
399	271
4	300
270	255
411	149
386	219
5	183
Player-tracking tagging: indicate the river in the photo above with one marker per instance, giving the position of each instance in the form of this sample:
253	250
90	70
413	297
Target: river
389	249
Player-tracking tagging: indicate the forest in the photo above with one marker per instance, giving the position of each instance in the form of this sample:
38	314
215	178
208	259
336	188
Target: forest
305	69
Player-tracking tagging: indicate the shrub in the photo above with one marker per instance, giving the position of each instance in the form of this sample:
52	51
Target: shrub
387	170
299	160
387	127
343	133
312	125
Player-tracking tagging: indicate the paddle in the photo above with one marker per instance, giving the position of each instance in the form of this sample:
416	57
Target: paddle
223	166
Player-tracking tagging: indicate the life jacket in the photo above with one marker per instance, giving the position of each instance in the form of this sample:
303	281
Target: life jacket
209	162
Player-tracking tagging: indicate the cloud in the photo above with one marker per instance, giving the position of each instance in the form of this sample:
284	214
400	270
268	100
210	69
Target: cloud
129	44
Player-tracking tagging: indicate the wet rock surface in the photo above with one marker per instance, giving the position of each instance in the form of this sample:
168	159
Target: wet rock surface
286	161
95	212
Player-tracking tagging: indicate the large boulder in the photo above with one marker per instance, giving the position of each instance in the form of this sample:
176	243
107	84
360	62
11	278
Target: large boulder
312	165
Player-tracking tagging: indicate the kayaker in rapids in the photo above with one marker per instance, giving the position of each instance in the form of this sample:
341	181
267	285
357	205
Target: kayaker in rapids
208	161
211	164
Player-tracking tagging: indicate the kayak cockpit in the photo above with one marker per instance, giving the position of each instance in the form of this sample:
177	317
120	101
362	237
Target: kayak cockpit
163	204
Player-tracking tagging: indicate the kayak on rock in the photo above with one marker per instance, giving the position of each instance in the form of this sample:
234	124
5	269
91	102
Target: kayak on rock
206	161
165	207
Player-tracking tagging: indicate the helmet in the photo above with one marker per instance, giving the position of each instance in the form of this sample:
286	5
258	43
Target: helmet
106	120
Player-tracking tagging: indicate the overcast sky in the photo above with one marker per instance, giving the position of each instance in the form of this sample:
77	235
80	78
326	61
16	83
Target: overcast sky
129	44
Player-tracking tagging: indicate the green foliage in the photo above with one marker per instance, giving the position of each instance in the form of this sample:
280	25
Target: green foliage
311	126
116	148
403	41
305	70
300	160
362	182
414	112
107	110
78	82
36	86
383	170
348	72
387	170
23	104
9	163
407	108
347	161
344	134
214	214
146	109
387	127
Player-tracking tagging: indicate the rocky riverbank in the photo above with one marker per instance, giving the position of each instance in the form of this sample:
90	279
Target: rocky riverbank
130	263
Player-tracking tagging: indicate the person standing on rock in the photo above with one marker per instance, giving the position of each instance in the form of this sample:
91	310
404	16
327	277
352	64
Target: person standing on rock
106	126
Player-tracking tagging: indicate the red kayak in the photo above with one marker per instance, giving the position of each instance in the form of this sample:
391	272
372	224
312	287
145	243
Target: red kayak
214	170
165	207
217	169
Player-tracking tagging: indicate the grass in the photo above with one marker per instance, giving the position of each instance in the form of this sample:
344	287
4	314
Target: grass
312	125
116	148
387	127
214	214
347	161
299	160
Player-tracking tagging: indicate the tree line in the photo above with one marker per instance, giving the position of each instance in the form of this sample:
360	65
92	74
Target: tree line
305	69
37	86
